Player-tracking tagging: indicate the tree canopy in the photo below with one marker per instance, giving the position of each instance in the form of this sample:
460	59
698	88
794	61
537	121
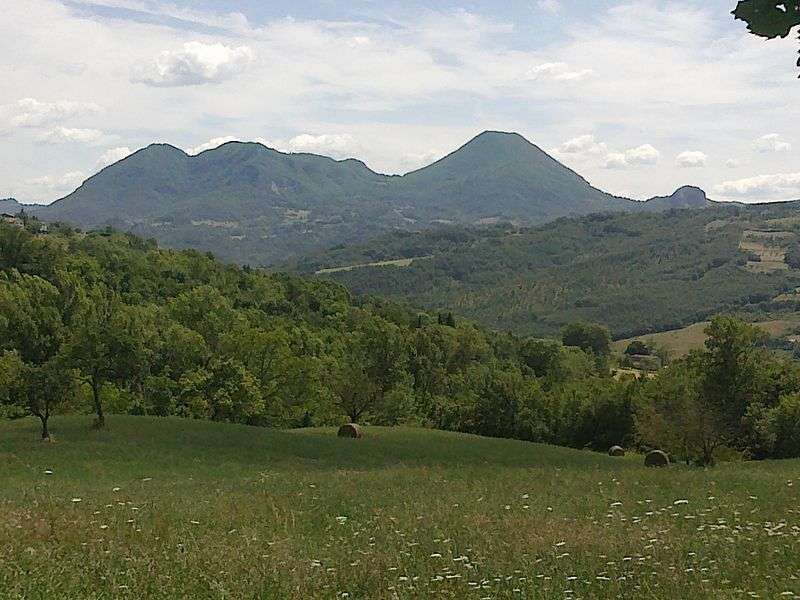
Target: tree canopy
102	322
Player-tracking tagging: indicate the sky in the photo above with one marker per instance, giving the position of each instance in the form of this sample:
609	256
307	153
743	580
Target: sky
640	97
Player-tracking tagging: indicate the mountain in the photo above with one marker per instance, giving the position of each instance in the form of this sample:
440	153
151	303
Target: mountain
685	197
10	206
503	177
635	272
244	202
250	204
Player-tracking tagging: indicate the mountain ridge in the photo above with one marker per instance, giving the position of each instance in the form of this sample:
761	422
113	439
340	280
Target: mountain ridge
11	206
249	203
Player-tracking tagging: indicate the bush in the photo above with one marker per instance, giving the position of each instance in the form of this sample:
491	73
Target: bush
786	427
637	348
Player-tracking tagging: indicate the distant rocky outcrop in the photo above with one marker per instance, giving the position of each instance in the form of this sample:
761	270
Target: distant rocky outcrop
686	197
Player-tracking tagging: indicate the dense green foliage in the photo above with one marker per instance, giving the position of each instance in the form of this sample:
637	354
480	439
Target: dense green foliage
107	322
635	273
148	331
253	205
733	394
769	18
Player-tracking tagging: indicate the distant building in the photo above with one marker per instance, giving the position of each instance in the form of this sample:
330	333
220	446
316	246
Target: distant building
12	220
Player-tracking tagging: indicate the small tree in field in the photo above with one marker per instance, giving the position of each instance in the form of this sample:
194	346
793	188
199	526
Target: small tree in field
47	388
370	369
700	404
39	390
731	369
104	344
674	416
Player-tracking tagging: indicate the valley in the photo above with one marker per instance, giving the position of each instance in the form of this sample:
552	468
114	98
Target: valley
635	273
399	300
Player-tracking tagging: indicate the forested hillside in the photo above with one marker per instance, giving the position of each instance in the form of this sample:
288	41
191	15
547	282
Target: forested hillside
636	273
10	206
107	322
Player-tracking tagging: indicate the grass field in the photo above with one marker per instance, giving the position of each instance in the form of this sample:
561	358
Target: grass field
680	341
769	246
168	508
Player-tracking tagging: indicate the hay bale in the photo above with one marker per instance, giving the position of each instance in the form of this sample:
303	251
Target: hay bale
616	451
350	430
656	458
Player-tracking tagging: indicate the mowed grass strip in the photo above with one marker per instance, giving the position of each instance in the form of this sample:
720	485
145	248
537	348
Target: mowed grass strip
168	508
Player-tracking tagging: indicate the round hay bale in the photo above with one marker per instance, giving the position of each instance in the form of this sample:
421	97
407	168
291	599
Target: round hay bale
656	458
350	430
616	451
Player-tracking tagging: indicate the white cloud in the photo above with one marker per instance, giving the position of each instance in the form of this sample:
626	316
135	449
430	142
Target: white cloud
55	185
645	154
557	71
583	144
63	135
616	160
413	161
551	6
234	22
642	155
210	144
337	146
691	159
733	163
686	75
196	63
334	145
779	186
772	142
109	157
586	150
30	112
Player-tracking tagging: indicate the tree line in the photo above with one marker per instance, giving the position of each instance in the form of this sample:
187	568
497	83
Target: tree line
106	322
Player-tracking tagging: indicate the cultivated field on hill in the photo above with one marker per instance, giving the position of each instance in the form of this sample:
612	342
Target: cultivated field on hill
679	342
168	508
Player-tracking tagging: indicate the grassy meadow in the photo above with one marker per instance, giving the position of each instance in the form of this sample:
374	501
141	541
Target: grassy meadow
679	342
169	508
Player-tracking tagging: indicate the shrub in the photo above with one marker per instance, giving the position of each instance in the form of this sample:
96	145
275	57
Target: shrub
786	427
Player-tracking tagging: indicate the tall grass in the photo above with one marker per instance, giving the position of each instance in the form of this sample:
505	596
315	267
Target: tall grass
183	509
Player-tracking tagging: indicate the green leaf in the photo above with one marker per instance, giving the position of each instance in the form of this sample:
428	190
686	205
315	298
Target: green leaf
769	18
